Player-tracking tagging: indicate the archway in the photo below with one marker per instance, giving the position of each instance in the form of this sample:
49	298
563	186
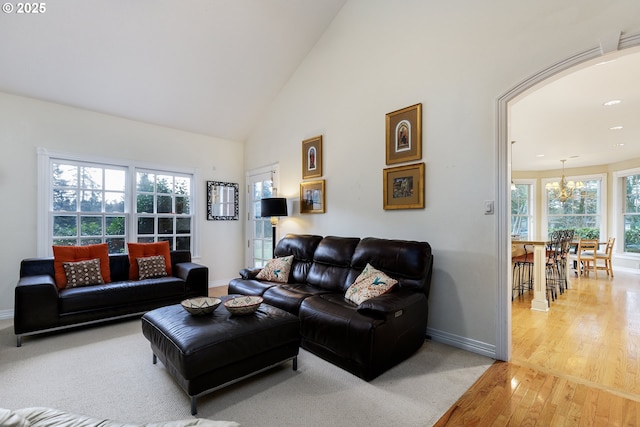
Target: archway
503	302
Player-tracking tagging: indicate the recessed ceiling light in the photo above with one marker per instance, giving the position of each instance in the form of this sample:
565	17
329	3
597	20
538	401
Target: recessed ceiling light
618	145
615	128
539	155
612	102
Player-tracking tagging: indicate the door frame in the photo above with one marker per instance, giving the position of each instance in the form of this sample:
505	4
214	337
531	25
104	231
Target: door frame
503	190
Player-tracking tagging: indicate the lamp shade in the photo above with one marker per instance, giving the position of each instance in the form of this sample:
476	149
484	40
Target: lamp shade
273	206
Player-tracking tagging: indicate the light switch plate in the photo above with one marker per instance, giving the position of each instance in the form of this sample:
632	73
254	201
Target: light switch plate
488	207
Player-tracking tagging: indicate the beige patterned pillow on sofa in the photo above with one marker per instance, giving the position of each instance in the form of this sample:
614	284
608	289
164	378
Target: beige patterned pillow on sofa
277	270
83	273
370	283
151	267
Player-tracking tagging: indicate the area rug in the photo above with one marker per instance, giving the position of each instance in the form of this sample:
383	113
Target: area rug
107	371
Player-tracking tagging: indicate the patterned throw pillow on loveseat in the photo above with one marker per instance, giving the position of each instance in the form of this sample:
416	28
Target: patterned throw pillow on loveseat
276	270
369	284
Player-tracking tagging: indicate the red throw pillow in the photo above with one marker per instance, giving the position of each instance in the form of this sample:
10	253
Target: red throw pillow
143	250
62	254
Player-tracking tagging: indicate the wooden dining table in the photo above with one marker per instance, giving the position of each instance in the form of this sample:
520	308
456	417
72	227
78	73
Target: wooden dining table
539	301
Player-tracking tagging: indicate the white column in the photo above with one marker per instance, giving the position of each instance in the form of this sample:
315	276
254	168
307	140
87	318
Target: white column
539	302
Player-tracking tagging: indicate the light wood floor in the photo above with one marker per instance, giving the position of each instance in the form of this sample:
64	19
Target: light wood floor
576	365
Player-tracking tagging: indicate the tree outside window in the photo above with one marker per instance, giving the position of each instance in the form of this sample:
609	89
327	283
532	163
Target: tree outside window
87	205
521	211
581	212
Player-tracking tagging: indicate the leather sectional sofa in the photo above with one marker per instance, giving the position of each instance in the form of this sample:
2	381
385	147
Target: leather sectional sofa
41	306
367	338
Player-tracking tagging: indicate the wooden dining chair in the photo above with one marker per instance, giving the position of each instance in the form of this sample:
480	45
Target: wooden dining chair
587	252
605	256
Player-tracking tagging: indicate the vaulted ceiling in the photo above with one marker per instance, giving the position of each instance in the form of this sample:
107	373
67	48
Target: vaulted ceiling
213	67
206	66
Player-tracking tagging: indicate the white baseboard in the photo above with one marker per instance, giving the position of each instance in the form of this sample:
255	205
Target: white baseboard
6	314
468	344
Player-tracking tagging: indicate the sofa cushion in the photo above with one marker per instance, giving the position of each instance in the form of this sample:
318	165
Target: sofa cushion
151	266
409	262
289	296
369	284
302	247
141	250
118	294
330	321
331	263
62	254
276	270
83	273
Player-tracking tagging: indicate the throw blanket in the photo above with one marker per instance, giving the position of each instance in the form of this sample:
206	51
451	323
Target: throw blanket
47	417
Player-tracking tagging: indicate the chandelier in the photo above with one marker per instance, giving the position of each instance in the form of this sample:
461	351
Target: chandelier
564	189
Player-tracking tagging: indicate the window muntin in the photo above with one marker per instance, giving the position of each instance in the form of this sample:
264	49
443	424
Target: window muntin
163	208
87	205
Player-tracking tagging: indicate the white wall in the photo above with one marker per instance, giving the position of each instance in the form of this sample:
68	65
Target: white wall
456	58
27	124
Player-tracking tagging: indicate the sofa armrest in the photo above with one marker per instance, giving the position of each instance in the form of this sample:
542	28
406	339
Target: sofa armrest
392	303
36	304
249	273
196	277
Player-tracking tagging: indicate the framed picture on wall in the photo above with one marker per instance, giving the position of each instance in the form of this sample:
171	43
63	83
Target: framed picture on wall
312	197
404	135
403	187
312	157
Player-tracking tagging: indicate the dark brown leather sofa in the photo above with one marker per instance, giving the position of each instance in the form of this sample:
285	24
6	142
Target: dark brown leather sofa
40	306
365	339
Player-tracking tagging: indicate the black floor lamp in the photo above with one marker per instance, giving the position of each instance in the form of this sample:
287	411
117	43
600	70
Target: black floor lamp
273	207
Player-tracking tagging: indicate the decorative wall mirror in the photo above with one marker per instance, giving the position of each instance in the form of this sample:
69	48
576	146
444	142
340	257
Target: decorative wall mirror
222	201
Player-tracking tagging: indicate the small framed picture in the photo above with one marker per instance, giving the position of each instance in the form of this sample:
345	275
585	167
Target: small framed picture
403	187
404	135
312	157
312	197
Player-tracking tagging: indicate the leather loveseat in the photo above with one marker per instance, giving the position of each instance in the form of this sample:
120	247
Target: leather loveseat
367	338
41	306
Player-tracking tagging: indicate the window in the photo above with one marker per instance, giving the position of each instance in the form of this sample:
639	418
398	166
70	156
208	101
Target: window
522	209
88	205
631	212
163	208
582	212
86	202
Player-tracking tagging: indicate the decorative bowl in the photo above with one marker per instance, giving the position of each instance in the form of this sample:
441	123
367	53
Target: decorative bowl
243	305
201	305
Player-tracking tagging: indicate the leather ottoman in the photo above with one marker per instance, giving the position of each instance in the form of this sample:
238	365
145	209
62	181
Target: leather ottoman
205	353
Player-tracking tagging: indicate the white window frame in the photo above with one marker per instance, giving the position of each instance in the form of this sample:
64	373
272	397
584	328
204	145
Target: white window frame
602	206
618	206
44	188
532	204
